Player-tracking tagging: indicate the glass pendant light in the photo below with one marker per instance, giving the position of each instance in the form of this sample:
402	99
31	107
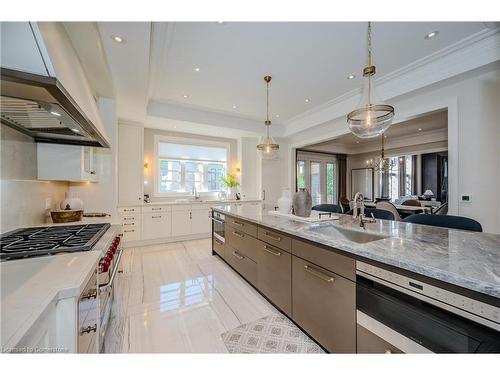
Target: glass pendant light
371	117
268	146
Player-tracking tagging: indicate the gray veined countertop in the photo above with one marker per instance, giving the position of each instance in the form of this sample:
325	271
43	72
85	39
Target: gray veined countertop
469	260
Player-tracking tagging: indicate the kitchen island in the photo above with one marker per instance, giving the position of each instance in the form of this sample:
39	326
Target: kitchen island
311	272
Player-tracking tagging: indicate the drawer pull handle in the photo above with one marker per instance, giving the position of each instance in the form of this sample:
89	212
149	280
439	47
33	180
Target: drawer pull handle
156	209
276	238
240	257
238	234
219	242
272	251
128	224
156	217
128	218
319	274
131	230
238	223
129	210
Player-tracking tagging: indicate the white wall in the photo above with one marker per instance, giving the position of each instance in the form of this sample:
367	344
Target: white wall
251	168
472	100
275	175
102	196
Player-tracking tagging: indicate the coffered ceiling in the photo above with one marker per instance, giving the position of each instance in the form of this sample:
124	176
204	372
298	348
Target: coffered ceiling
207	70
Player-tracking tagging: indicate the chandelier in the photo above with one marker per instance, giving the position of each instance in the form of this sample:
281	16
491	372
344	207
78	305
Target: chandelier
383	164
268	146
370	119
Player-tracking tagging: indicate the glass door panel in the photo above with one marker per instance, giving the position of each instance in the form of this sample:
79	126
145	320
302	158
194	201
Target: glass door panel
331	190
316	182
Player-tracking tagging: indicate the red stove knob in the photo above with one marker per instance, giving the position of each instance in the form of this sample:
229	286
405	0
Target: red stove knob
108	257
112	250
104	266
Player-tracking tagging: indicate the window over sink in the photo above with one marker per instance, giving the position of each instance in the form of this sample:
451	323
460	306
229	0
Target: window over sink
185	164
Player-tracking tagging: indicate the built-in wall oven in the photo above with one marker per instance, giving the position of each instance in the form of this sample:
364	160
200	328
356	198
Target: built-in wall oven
417	317
218	226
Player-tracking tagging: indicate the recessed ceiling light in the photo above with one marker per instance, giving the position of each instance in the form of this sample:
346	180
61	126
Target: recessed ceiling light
307	100
235	106
419	129
118	39
220	21
351	76
277	116
431	35
196	69
55	113
185	96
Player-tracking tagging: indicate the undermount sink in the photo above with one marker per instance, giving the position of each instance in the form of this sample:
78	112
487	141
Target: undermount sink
349	235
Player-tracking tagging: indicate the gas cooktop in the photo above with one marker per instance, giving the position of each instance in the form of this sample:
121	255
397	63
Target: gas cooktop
37	241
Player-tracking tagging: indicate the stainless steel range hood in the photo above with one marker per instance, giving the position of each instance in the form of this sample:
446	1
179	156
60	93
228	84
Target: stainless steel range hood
40	107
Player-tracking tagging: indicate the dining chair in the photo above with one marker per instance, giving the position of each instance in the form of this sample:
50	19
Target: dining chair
411	202
442	210
335	208
377	213
446	221
388	206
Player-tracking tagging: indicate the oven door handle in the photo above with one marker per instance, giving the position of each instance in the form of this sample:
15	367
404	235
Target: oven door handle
109	284
217	220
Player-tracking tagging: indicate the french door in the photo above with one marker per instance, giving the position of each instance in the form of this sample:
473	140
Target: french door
318	173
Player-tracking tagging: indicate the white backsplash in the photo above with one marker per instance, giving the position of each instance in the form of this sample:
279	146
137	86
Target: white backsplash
23	197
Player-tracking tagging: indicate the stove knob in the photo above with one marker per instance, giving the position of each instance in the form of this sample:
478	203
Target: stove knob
104	266
108	257
112	250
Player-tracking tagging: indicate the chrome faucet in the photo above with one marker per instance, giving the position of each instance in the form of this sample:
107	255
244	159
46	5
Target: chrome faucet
195	193
358	211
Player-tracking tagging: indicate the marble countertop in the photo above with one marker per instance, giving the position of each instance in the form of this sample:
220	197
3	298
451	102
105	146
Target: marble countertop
467	259
30	286
210	202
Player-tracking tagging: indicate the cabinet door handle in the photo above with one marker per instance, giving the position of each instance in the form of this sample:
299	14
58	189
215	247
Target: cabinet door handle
238	234
156	209
272	251
156	217
128	218
238	223
129	210
240	257
132	230
276	238
319	274
125	224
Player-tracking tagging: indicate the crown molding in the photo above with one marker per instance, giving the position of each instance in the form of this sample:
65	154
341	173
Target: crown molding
470	53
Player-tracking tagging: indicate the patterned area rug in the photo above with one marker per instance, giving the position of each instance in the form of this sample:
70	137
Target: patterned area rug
271	334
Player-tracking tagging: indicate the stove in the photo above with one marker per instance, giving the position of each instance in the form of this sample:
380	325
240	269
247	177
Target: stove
38	241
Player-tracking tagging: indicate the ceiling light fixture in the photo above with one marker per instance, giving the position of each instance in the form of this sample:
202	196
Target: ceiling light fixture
268	146
185	96
277	116
431	35
351	76
383	164
235	106
307	100
118	39
196	69
369	120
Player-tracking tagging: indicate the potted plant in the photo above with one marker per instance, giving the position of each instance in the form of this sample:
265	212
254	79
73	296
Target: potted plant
231	182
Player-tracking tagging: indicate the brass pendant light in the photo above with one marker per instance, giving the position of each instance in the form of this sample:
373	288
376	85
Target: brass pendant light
383	164
268	146
370	120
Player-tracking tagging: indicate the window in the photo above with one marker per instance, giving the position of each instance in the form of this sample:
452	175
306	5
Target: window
318	173
183	167
399	179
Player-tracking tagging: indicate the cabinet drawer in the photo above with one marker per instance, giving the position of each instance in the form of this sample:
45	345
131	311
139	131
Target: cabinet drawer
241	241
218	247
330	260
275	239
368	342
156	225
131	219
152	209
131	234
129	210
324	306
242	226
131	224
274	275
241	263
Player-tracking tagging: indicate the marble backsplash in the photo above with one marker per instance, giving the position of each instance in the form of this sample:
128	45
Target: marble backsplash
23	197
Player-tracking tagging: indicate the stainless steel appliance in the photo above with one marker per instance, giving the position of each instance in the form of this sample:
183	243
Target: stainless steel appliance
218	226
417	317
40	107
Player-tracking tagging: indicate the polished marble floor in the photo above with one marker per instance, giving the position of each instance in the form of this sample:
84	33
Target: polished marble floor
178	298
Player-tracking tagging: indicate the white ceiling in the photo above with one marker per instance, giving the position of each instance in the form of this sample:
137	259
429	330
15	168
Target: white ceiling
156	66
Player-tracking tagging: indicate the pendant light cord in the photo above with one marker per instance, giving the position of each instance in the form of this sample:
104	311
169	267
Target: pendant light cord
369	42
268	123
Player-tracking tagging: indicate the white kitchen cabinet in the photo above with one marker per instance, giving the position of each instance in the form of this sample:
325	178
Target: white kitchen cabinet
19	48
156	225
130	164
200	220
181	222
66	162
